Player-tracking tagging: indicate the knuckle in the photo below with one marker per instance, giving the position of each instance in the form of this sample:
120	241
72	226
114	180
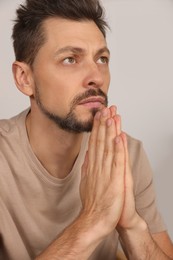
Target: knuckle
119	160
108	152
99	142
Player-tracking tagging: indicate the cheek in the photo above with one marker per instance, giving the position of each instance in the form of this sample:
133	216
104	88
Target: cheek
106	83
52	86
56	98
52	95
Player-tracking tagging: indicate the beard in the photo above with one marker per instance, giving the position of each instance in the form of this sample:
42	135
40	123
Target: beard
70	122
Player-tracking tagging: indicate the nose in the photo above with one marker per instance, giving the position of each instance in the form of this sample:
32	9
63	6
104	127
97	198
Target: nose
94	78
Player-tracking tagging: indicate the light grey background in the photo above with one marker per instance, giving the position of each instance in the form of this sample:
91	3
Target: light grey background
141	44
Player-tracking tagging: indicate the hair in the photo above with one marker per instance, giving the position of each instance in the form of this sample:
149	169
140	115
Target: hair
28	34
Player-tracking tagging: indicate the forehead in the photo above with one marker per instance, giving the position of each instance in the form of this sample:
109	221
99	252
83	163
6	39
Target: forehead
60	32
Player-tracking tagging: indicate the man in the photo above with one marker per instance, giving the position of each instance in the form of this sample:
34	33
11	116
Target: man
65	193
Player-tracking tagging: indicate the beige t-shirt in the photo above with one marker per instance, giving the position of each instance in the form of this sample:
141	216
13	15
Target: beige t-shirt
35	207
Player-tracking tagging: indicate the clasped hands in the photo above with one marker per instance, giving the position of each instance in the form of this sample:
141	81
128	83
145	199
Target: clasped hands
106	184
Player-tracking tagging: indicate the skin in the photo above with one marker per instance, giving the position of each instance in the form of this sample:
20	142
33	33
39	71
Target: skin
108	203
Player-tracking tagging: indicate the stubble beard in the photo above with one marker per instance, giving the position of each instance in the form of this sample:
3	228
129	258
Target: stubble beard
71	123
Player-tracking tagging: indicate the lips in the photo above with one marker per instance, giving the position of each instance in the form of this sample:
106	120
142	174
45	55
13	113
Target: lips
92	100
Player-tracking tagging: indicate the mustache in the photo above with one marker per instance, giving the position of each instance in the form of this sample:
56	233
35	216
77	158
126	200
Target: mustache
90	93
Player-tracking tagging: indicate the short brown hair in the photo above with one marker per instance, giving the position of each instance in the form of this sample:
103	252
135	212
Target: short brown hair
28	35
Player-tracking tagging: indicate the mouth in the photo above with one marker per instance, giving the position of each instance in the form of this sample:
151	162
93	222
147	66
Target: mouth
93	102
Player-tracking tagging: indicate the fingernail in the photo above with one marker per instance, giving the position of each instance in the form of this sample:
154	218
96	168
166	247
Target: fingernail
97	116
109	122
117	139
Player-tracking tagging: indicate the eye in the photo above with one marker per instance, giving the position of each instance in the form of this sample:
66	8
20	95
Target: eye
69	60
103	60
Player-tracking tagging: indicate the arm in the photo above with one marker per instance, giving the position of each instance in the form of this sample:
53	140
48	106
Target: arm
139	243
75	243
163	240
135	237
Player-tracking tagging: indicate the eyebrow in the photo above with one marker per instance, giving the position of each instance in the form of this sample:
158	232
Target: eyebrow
77	50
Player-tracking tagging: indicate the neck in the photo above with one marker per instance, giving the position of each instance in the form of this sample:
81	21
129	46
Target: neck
55	148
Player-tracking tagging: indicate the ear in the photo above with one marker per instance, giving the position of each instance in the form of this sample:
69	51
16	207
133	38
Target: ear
22	74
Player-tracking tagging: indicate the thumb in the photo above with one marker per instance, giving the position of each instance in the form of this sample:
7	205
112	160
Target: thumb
84	166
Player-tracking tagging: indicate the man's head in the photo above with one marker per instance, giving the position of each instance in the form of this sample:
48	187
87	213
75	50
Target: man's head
28	33
62	60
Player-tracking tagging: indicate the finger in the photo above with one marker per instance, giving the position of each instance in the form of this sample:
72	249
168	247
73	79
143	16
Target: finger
93	137
118	171
124	138
113	110
109	145
117	120
84	166
100	141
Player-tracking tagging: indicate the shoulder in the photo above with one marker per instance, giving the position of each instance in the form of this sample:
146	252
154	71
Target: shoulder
141	169
11	134
134	145
135	148
137	154
8	126
11	147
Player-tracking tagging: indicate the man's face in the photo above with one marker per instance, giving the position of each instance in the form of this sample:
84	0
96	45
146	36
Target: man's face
71	73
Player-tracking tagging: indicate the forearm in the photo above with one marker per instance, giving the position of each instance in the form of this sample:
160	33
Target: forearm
138	243
76	242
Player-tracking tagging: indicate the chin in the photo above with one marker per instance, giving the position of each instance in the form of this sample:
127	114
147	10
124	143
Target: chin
89	114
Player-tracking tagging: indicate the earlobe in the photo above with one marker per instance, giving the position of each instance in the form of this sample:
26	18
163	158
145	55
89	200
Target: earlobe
23	77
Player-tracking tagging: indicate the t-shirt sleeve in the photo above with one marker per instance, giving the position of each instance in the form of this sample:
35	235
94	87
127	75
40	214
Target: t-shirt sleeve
145	197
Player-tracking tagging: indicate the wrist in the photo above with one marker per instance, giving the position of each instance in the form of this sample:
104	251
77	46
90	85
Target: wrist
137	224
93	229
138	242
81	237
